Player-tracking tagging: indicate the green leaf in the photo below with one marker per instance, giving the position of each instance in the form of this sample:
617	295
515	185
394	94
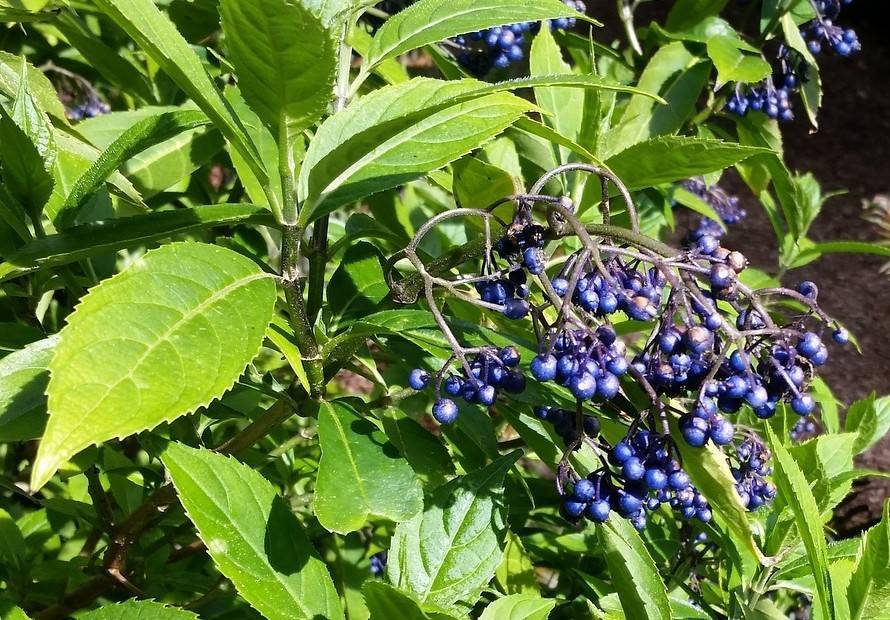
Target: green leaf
450	551
638	122
252	535
795	491
634	575
686	14
137	610
27	148
23	378
669	159
386	602
144	134
425	452
430	21
13	549
108	236
811	89
478	185
711	474
108	62
733	65
285	59
156	341
516	574
38	85
157	36
869	590
360	473
870	419
357	285
565	106
519	607
8	611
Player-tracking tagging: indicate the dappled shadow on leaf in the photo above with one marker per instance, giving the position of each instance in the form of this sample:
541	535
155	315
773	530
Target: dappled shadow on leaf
285	545
374	435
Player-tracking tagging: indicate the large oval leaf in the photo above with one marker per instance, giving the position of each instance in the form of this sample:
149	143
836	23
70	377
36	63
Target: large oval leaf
429	21
360	473
161	339
285	59
450	551
633	572
252	535
519	607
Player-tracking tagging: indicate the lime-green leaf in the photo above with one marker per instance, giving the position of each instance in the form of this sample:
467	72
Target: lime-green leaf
478	185
252	535
565	106
360	473
634	575
137	610
157	36
669	159
143	134
519	607
285	59
158	340
449	552
23	378
516	574
38	84
710	473
27	148
796	493
870	419
732	64
869	588
429	21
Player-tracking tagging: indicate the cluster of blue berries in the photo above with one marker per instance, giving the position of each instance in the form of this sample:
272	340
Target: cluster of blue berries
764	97
565	423
378	563
821	31
646	476
753	458
588	362
725	205
623	287
87	108
501	46
802	429
491	370
510	293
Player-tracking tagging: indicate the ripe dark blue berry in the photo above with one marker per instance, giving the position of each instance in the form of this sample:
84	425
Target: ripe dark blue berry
445	411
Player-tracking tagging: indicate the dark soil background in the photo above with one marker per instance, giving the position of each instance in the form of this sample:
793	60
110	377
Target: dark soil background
850	152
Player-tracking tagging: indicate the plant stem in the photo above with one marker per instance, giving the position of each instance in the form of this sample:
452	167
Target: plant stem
318	260
293	291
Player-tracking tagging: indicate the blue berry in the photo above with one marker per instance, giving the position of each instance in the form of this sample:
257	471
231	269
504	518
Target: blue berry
418	379
445	411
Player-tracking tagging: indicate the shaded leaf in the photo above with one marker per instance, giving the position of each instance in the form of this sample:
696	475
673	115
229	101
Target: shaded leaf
251	534
360	473
358	284
23	378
